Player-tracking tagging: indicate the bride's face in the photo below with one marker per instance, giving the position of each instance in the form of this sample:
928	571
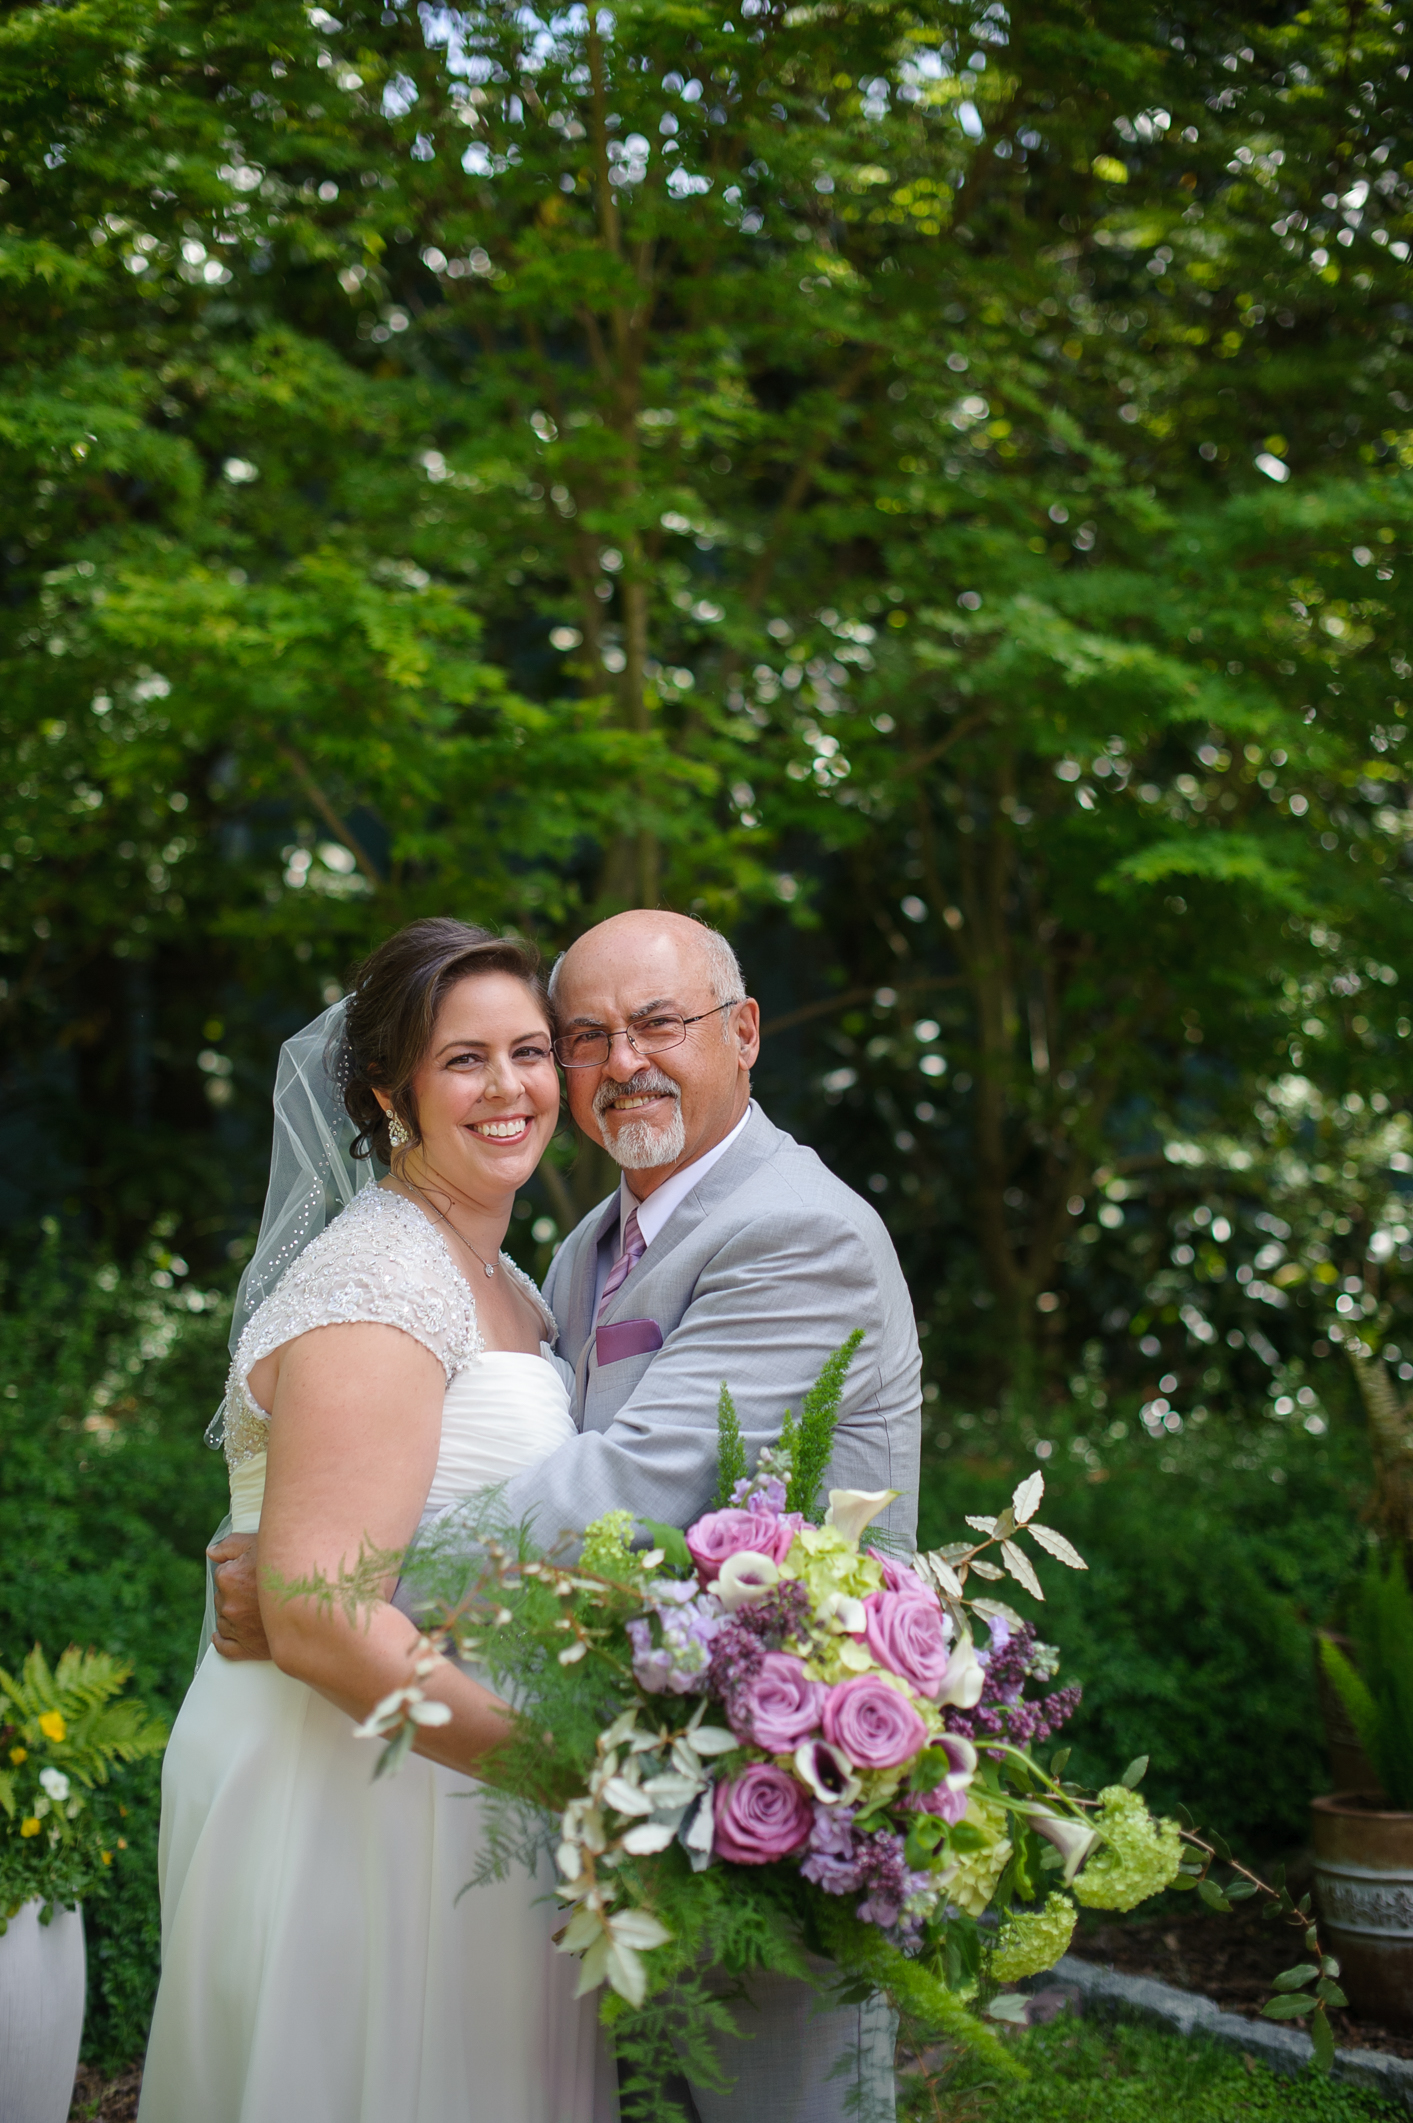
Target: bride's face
486	1092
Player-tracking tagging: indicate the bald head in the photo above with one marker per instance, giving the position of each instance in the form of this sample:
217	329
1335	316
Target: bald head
657	1111
645	926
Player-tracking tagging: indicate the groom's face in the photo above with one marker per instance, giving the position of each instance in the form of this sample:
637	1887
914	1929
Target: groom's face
655	1113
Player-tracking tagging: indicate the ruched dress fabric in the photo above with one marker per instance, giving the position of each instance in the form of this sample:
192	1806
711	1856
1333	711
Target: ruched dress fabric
317	1964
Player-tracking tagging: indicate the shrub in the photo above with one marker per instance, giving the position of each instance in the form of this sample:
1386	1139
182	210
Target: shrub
107	1500
1212	1557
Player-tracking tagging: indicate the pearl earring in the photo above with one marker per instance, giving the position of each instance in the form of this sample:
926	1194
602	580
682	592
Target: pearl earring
399	1136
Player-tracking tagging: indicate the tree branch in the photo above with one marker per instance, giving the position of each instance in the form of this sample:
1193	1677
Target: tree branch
340	829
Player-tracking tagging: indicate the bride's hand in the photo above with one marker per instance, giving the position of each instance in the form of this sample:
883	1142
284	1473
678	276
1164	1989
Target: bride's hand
240	1631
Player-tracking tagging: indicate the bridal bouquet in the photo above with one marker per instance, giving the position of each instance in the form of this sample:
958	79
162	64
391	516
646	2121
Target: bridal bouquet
769	1743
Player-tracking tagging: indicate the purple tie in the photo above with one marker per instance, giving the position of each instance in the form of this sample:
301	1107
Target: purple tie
634	1247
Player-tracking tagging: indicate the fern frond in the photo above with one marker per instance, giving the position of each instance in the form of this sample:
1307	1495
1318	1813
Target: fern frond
813	1440
861	1951
731	1465
96	1730
1352	1691
352	1591
1383	1639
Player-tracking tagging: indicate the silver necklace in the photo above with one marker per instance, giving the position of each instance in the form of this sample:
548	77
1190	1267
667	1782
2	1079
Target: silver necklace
488	1266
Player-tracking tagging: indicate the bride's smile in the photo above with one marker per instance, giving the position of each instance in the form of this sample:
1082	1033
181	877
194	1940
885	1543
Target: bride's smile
484	1101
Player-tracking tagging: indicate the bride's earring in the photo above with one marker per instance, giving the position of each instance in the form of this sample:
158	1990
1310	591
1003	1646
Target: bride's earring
398	1135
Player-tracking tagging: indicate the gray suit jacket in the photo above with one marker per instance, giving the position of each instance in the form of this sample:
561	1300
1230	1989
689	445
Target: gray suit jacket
763	1269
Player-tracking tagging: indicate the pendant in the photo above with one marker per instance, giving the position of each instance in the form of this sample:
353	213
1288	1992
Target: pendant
489	1267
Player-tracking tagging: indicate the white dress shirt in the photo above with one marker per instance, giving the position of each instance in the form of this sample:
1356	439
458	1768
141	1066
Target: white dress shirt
654	1212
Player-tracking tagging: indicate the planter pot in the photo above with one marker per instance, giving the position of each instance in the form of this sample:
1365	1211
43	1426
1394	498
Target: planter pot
1364	1888
42	1974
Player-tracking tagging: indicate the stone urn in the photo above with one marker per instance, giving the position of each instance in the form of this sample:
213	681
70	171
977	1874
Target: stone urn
1364	1891
42	1970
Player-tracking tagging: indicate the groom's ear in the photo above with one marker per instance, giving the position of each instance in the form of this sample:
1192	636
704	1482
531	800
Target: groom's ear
746	1030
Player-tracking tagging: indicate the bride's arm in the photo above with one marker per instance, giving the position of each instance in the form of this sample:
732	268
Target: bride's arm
353	1440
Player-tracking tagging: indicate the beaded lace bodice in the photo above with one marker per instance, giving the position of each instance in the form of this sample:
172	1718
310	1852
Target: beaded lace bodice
380	1262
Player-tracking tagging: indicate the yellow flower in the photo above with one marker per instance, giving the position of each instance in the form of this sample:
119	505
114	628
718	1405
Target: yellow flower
18	1755
53	1727
29	1827
107	1856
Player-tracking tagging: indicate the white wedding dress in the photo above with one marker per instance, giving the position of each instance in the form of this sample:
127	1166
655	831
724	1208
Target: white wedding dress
317	1965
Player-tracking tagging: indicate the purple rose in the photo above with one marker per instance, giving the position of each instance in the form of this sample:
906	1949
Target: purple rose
897	1577
724	1533
906	1635
780	1707
876	1726
760	1815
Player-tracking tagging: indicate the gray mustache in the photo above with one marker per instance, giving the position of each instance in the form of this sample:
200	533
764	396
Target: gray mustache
647	1082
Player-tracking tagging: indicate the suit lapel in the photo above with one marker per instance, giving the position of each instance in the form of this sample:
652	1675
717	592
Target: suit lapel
757	1141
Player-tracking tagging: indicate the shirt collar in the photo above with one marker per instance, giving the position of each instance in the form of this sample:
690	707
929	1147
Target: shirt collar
659	1205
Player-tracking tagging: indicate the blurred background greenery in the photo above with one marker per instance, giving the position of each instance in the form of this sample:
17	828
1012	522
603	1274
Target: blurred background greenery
927	488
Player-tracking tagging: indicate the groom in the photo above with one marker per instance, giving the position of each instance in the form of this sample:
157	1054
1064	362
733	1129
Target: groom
728	1252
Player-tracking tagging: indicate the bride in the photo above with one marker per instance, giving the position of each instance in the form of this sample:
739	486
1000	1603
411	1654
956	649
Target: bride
317	1965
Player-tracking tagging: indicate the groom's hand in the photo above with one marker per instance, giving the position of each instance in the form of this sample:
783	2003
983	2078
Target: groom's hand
240	1633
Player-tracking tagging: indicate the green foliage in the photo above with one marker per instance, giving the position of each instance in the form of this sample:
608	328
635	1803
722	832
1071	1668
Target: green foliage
1083	2072
731	1464
71	1705
1212	1556
925	2002
777	465
107	1500
1379	1694
61	1728
810	1441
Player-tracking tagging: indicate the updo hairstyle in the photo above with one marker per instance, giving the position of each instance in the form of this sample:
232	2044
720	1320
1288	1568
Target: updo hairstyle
394	997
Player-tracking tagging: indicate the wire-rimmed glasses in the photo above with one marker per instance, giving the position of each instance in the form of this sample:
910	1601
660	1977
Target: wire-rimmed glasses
589	1046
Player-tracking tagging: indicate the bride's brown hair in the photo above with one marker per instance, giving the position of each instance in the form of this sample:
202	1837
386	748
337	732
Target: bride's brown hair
394	997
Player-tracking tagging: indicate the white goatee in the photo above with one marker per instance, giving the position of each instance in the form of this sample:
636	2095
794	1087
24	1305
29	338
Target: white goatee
641	1145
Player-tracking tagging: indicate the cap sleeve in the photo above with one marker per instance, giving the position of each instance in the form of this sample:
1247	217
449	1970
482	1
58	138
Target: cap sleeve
380	1263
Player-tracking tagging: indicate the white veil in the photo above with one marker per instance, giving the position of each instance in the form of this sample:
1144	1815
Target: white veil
312	1170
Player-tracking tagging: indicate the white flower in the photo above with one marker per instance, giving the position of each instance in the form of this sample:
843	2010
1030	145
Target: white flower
850	1510
56	1784
966	1677
1073	1839
845	1615
828	1772
611	1945
745	1578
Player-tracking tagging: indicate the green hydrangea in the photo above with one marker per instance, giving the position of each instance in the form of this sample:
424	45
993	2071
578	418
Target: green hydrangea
826	1563
1033	1939
973	1881
606	1545
1138	1858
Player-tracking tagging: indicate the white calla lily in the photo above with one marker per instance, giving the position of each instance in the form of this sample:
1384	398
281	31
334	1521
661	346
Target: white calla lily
965	1677
845	1615
828	1772
1073	1839
745	1578
850	1510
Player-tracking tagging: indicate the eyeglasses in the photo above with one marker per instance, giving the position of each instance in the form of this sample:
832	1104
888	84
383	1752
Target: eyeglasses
589	1046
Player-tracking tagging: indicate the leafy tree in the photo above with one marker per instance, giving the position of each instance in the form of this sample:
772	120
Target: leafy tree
925	480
